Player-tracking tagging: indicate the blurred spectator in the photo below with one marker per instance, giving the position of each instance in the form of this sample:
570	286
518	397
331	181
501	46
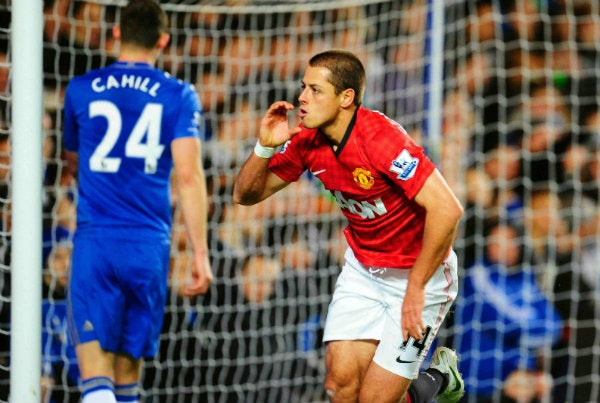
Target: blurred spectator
5	162
547	234
572	166
479	202
405	60
555	254
504	322
584	222
482	22
76	39
587	34
523	21
503	164
253	344
60	377
564	56
59	210
457	125
235	134
543	104
174	374
4	73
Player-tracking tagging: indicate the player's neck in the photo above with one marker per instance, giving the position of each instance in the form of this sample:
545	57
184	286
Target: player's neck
132	54
336	130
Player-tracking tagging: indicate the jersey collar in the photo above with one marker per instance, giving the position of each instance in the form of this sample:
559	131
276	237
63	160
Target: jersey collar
347	134
132	65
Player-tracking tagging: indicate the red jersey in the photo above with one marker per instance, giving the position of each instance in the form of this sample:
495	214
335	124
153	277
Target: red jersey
374	176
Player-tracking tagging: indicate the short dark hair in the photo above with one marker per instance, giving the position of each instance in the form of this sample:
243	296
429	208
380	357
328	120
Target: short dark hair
346	69
142	22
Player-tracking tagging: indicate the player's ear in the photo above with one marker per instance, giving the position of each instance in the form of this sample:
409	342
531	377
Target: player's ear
163	40
347	98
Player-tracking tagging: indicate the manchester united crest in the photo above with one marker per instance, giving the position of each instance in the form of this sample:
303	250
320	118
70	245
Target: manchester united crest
363	178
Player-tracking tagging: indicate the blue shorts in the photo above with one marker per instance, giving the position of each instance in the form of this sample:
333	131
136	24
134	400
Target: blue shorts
117	293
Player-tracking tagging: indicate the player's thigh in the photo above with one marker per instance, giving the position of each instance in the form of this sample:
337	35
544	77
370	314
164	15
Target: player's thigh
347	362
144	286
118	292
356	310
93	296
382	386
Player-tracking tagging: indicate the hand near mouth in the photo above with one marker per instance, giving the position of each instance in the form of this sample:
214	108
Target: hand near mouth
274	127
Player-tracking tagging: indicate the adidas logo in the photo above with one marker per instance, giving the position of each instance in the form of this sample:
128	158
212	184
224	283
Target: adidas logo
87	326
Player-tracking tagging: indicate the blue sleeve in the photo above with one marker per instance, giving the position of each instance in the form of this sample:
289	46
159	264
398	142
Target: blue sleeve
189	122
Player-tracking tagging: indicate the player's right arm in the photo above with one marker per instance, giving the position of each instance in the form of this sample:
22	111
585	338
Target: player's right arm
255	181
191	187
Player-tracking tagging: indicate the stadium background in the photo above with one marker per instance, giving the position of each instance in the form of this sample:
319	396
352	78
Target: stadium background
519	143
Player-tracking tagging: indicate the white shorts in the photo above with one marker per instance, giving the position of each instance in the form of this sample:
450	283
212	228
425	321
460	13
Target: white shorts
367	304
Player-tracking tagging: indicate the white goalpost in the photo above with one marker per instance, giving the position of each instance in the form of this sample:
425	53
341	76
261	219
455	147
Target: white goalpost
26	138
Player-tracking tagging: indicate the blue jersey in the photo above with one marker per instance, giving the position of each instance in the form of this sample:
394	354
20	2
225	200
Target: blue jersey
502	319
121	121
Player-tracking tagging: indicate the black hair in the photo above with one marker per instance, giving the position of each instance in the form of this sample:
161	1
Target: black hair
347	71
142	23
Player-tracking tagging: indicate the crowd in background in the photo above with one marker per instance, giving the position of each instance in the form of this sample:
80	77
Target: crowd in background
520	145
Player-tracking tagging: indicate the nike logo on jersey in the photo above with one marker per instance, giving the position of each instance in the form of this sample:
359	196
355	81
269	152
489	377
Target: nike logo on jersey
320	171
398	360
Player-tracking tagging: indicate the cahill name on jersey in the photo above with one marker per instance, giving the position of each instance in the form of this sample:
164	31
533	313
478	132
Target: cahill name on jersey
374	175
121	121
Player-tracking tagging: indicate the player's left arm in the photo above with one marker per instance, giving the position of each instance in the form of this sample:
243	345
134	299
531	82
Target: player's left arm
443	212
191	187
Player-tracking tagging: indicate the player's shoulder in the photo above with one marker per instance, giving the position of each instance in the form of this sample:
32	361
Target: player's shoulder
81	85
377	122
172	80
373	125
306	136
174	85
86	77
122	68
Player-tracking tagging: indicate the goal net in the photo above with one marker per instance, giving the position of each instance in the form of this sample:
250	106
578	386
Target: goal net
518	143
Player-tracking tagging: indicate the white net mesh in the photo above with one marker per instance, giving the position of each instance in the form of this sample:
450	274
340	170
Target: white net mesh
519	145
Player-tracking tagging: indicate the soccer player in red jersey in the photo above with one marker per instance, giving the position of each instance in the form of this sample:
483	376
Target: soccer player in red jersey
400	277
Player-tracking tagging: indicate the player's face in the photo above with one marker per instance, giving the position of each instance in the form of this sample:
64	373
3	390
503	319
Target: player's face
319	104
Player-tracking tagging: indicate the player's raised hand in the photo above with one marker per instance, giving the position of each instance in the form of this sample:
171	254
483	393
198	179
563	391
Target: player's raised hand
202	276
274	127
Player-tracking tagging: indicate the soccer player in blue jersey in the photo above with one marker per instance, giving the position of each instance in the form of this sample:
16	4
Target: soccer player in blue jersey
125	127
